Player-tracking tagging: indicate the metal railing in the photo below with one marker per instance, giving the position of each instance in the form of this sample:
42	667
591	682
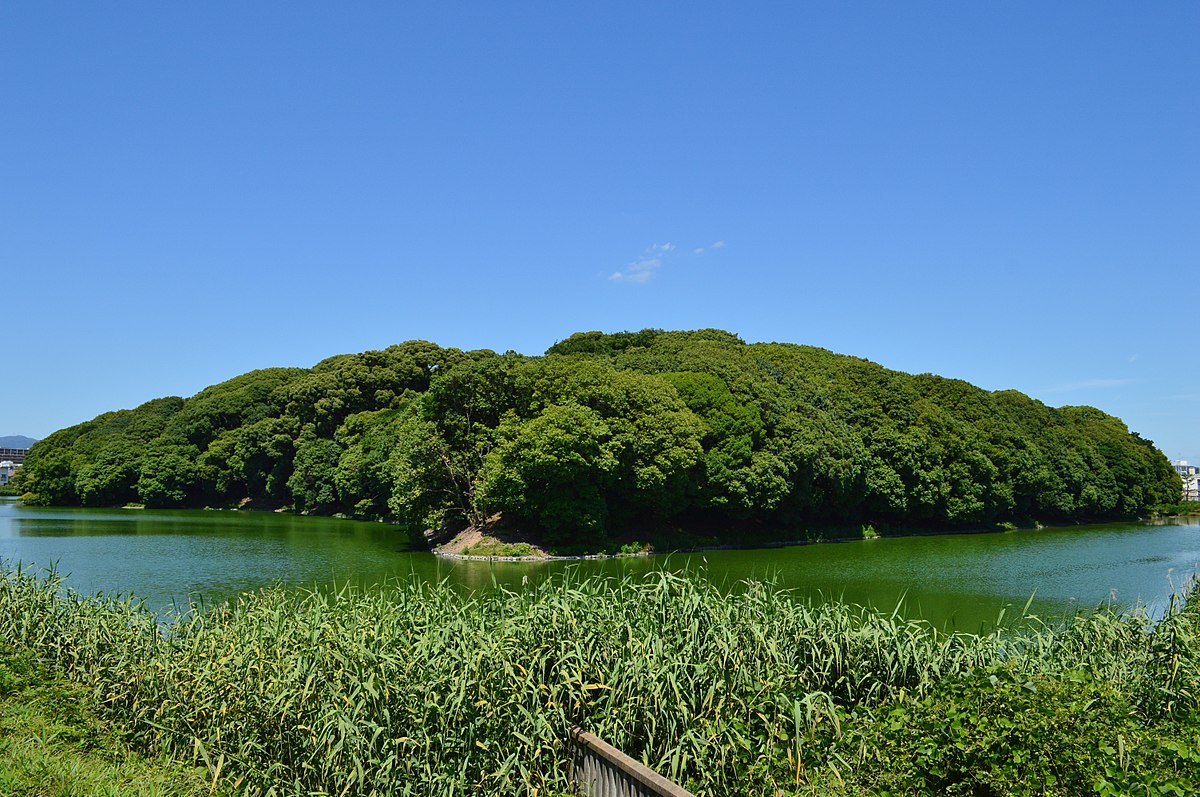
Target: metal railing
601	770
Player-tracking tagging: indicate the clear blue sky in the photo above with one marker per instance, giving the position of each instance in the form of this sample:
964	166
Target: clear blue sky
1006	193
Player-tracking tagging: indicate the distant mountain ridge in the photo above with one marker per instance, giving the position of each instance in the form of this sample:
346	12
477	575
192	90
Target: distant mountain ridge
16	441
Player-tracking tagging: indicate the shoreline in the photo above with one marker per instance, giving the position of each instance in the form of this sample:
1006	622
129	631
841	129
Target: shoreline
442	554
439	551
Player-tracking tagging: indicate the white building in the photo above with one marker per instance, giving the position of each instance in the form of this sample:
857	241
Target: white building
7	469
1191	479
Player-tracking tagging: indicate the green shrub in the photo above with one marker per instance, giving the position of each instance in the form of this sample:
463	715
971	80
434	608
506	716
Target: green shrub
999	732
500	549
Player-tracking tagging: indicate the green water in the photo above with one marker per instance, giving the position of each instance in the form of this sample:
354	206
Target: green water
167	557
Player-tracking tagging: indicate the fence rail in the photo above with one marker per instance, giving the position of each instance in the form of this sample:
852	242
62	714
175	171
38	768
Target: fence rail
601	770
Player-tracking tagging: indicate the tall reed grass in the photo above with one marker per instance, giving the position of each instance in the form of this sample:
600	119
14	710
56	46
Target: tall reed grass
415	689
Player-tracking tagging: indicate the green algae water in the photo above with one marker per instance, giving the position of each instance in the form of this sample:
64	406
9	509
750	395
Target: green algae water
964	581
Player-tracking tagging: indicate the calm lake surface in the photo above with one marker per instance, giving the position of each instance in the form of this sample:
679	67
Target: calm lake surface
962	580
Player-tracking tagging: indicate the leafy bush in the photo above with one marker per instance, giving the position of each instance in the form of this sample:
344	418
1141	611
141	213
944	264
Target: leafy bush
500	549
1000	732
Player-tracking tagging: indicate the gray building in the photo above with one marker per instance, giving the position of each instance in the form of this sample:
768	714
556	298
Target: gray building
13	455
1190	474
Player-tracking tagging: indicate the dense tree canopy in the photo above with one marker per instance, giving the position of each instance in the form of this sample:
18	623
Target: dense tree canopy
608	432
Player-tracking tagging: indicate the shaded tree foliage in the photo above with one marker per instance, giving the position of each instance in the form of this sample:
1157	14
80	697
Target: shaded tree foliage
607	432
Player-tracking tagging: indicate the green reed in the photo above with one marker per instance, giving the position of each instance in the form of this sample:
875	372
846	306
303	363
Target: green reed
415	689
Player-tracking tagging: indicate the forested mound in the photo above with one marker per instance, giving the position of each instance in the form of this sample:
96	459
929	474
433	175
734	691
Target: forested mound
611	432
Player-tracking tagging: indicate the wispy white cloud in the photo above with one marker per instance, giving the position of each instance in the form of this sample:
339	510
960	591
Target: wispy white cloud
1088	384
1185	397
638	270
644	268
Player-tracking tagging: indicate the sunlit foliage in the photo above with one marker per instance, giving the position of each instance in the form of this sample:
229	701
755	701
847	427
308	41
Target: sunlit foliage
688	430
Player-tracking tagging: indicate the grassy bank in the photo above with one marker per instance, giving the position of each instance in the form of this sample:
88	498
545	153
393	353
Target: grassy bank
53	742
415	689
1183	509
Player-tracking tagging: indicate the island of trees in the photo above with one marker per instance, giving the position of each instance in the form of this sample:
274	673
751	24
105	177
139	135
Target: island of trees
607	435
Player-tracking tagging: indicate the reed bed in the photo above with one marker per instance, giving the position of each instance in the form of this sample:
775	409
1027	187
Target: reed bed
415	689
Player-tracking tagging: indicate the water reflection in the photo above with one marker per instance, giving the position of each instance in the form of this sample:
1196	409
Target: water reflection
961	581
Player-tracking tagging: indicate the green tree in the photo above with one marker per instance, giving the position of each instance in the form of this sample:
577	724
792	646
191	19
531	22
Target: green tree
169	475
49	477
553	472
429	486
110	478
363	477
312	481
